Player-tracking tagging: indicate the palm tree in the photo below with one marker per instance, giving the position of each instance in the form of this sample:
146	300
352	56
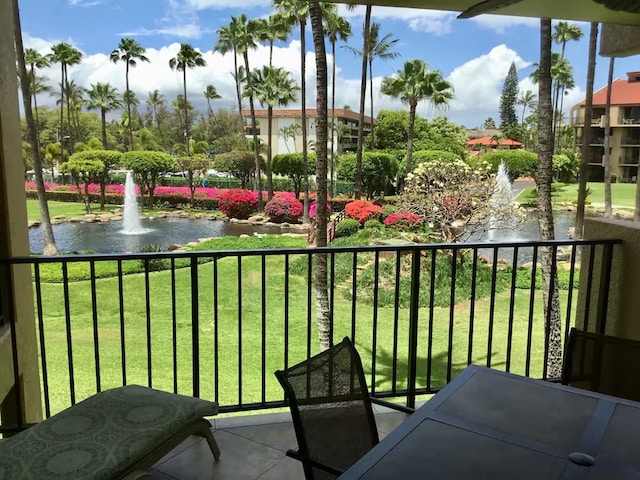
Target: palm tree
227	42
65	54
336	28
211	94
155	100
606	160
35	60
290	132
413	84
187	57
527	100
130	52
74	94
103	97
272	86
323	312
563	33
553	367
50	247
363	94
275	28
299	11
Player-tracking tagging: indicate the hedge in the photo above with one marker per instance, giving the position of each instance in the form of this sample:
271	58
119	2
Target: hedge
518	162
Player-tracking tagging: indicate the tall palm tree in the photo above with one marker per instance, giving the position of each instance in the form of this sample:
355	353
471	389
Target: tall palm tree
323	313
74	94
35	59
155	100
553	367
130	52
187	57
606	159
103	97
272	86
211	93
65	54
50	247
563	33
299	11
227	42
273	29
413	84
363	94
336	28
528	101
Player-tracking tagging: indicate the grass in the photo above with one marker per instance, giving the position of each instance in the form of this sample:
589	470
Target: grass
622	194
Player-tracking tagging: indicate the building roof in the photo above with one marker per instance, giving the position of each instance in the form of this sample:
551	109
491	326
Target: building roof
311	113
504	142
623	92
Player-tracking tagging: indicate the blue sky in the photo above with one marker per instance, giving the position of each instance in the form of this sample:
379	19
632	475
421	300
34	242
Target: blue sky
473	54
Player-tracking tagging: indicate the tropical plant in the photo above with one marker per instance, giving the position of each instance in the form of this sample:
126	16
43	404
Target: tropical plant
195	165
518	163
413	84
211	94
103	97
129	52
35	59
366	46
271	86
378	169
237	203
239	163
83	170
187	57
275	28
528	101
283	208
291	165
289	132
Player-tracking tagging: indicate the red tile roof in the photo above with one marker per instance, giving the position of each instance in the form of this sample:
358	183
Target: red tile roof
505	142
623	92
311	112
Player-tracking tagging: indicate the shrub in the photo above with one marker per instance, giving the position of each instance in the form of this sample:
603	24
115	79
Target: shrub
388	209
237	203
565	167
155	264
422	156
283	208
373	224
240	163
292	165
347	227
313	209
517	162
403	220
378	169
361	210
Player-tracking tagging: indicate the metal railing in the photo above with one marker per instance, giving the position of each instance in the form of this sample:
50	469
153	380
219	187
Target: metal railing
217	324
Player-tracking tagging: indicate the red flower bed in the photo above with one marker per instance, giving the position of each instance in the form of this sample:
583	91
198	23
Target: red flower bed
284	207
362	210
403	220
237	203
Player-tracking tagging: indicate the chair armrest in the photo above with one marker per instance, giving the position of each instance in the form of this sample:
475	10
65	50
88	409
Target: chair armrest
314	463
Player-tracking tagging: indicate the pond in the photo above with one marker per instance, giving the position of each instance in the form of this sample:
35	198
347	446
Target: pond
108	238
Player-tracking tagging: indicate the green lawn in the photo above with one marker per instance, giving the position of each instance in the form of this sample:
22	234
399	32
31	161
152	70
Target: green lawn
623	195
246	354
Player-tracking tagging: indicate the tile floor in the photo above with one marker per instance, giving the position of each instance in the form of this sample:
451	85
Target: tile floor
252	447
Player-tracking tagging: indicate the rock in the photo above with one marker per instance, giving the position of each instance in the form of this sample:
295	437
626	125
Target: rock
60	217
257	219
285	225
34	223
212	217
174	214
106	217
502	263
192	244
183	215
259	235
244	222
117	217
244	235
271	224
482	258
234	220
161	215
88	216
174	246
197	216
207	239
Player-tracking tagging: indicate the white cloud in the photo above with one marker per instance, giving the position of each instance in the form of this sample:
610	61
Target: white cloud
86	3
188	30
503	23
223	4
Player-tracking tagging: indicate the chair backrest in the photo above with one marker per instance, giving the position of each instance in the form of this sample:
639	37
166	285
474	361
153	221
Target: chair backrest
331	408
603	364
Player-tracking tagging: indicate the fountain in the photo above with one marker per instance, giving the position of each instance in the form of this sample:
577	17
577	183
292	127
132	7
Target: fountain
501	201
131	224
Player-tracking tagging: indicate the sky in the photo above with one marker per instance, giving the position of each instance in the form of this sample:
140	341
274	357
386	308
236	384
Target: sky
474	55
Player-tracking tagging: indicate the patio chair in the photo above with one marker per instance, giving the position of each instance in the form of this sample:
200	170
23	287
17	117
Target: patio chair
602	363
331	411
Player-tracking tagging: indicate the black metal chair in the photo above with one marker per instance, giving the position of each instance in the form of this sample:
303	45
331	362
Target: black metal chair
331	411
602	363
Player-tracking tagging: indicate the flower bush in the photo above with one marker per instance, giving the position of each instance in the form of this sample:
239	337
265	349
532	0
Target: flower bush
237	203
313	209
403	220
361	210
284	208
347	227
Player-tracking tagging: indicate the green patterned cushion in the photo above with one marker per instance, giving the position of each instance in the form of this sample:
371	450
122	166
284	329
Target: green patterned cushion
101	437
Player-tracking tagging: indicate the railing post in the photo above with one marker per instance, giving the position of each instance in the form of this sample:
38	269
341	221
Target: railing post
195	327
605	281
413	328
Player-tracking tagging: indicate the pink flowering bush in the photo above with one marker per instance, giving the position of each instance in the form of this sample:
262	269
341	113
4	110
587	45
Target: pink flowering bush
313	209
403	220
238	203
362	210
283	208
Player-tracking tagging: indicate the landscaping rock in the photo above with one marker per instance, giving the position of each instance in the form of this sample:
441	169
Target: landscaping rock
285	225
192	244
244	235
34	223
174	214
244	222
259	235
174	246
161	215
234	220
271	224
60	217
75	220
257	219
183	215
207	239
117	217
482	258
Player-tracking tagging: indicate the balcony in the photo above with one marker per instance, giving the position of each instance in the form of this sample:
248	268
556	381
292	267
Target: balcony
627	161
597	120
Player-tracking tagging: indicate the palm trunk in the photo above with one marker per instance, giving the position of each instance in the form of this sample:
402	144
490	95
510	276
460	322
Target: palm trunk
412	121
129	106
333	118
373	138
303	99
323	312
363	94
66	82
61	136
553	328
606	160
524	109
186	110
586	133
256	146
269	154
103	115
50	247
270	54
239	96
35	106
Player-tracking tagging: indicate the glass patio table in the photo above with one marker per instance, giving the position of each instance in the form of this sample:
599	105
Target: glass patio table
494	425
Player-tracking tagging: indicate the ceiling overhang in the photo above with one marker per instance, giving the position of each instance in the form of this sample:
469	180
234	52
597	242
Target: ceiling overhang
577	10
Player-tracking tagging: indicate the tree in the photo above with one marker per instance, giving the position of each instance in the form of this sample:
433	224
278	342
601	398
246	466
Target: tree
275	28
299	11
50	247
147	167
366	42
239	163
413	84
509	98
489	124
210	94
272	86
187	57
83	170
110	159
103	97
528	101
157	103
290	132
606	160
290	165
192	165
545	211
130	52
35	60
378	169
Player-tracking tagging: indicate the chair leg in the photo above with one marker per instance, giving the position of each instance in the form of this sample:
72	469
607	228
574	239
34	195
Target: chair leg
204	431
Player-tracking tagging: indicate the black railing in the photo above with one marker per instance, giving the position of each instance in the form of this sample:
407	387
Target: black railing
217	324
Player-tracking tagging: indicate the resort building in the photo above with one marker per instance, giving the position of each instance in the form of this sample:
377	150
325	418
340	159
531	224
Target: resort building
482	145
624	129
287	128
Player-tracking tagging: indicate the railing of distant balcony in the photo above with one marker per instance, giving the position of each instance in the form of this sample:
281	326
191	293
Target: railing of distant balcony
418	314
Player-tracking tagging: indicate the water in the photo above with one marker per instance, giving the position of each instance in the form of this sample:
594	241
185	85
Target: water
501	203
131	224
108	237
